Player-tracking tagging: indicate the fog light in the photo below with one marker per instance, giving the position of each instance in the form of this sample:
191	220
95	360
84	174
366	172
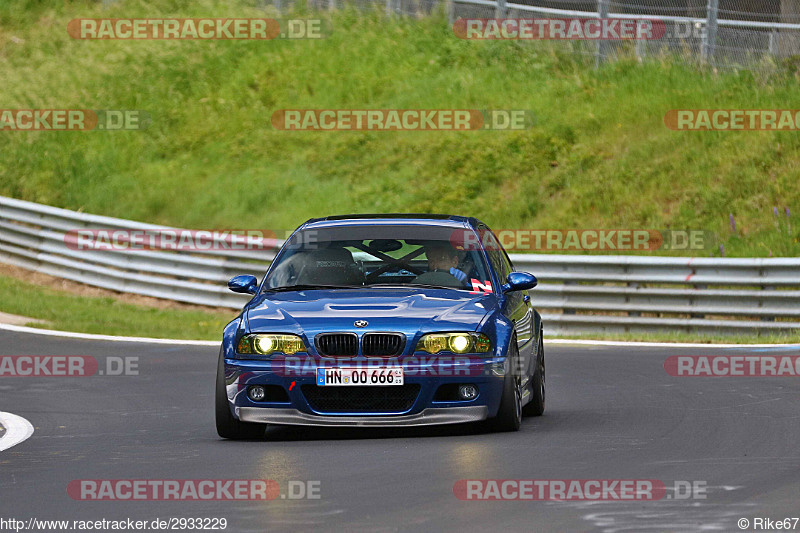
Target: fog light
257	393
468	392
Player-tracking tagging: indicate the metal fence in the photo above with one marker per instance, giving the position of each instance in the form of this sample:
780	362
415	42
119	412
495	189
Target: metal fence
576	293
724	33
751	34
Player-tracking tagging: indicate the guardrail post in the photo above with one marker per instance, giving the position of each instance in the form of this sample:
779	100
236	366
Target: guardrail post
500	11
710	35
567	310
632	285
768	288
602	45
691	301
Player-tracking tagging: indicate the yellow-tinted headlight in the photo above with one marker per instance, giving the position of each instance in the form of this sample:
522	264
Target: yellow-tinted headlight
268	344
454	342
460	343
264	344
433	343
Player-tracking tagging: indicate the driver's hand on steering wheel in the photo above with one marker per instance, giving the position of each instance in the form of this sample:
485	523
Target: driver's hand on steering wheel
459	275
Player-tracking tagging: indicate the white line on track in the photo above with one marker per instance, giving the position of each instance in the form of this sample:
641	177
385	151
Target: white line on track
586	342
89	336
577	342
17	430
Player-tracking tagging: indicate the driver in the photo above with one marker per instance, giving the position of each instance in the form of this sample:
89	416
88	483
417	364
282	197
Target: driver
442	263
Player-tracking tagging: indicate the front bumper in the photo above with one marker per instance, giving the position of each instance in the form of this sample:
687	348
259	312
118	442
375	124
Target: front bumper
427	417
427	408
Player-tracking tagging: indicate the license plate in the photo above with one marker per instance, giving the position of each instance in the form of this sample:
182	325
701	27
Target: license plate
342	377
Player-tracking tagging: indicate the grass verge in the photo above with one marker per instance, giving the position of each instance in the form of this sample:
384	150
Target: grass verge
67	311
599	156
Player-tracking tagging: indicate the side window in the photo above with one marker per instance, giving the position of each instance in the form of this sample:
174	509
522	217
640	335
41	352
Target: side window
508	262
497	256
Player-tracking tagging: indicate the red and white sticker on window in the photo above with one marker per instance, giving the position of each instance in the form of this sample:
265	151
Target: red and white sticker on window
479	286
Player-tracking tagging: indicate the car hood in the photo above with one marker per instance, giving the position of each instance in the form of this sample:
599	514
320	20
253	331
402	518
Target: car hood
405	310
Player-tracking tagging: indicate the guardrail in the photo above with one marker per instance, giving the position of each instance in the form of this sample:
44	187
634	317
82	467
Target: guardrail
614	294
576	293
33	236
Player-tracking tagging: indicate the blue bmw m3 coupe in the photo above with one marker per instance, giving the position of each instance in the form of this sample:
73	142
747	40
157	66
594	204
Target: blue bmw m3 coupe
383	320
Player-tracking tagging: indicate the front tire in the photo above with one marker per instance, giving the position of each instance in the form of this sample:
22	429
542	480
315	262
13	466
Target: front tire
536	406
229	427
509	415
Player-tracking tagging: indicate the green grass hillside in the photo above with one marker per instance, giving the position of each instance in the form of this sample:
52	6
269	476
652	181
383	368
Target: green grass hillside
599	155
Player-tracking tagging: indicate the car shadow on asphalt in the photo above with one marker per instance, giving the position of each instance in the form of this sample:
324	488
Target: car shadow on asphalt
309	433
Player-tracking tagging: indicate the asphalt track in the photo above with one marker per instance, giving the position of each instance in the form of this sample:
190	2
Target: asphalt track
612	413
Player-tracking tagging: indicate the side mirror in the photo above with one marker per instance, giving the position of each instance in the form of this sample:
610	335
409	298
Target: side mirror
520	281
245	284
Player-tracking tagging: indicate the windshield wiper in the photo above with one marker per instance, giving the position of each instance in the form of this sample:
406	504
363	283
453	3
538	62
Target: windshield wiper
415	285
306	287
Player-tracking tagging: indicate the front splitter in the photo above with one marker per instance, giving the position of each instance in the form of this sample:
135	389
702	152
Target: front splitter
428	417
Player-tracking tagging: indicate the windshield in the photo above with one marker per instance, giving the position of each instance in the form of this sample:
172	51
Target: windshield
376	255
